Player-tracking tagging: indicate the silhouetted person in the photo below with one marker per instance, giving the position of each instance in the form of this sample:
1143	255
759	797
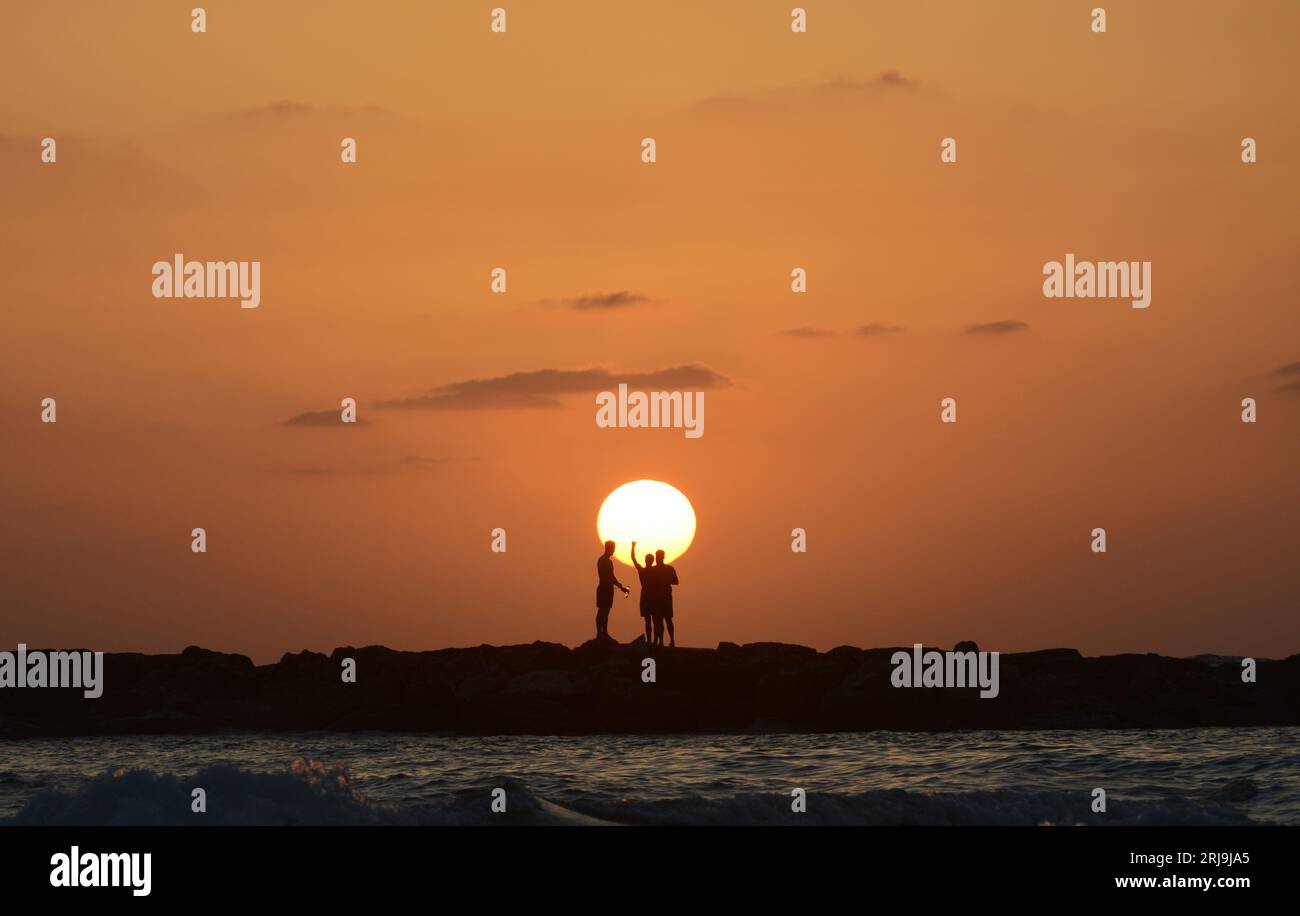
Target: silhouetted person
605	586
645	573
665	579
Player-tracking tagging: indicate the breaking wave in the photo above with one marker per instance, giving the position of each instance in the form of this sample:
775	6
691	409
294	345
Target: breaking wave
311	793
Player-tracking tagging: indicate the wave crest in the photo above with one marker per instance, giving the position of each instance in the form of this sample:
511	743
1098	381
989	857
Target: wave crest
312	793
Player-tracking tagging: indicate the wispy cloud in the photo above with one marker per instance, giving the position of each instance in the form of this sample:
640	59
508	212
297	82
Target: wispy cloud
544	387
808	332
410	463
849	87
323	419
289	109
841	89
877	329
1008	326
423	461
599	301
1287	371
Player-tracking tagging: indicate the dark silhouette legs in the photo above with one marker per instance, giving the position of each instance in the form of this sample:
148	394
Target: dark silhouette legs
648	637
672	637
602	622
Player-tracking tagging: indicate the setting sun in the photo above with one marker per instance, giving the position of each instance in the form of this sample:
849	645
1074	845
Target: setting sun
656	515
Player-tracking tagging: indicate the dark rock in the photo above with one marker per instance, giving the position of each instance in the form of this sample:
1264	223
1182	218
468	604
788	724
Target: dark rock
547	688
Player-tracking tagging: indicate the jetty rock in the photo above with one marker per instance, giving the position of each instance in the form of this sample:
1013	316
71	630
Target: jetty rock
604	686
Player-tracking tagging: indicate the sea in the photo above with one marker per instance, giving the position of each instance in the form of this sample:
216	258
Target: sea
1175	777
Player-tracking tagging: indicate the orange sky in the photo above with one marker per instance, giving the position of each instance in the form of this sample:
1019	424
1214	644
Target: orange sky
775	150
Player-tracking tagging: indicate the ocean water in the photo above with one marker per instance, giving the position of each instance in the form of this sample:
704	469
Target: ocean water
1198	776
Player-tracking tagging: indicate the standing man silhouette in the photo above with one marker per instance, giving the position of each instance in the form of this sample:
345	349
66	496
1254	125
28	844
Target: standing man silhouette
646	574
605	585
666	578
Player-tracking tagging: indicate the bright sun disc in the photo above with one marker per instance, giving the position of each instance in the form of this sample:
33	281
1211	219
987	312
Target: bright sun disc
654	514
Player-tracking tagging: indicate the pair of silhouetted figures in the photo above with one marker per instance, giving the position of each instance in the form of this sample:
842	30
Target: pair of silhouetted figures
657	581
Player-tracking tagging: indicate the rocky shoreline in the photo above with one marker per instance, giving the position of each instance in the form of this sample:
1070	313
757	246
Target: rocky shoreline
547	688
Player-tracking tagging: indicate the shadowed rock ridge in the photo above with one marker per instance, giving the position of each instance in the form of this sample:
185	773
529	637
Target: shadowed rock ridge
547	688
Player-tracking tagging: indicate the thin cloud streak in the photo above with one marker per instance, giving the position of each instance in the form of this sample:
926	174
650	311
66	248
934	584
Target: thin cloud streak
542	389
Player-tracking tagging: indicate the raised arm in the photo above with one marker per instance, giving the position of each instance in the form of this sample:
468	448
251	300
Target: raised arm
634	562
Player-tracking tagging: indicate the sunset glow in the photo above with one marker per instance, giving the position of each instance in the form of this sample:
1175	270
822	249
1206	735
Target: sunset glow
656	515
